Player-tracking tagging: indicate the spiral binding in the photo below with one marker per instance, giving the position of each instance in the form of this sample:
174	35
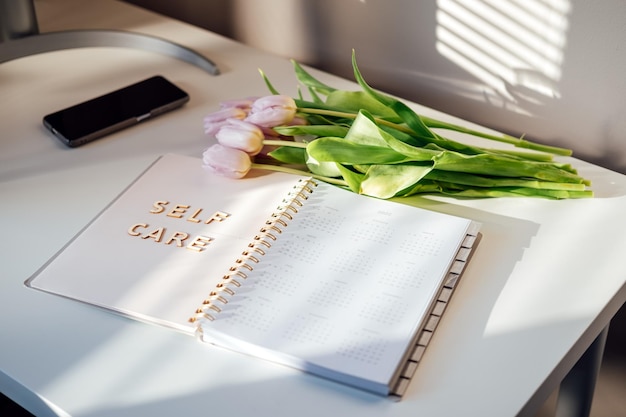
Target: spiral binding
255	250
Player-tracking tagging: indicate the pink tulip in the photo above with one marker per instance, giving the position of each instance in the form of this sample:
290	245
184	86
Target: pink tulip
243	103
271	111
214	121
227	162
298	121
241	135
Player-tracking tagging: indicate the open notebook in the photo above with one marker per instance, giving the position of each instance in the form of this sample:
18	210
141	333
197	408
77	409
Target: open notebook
278	266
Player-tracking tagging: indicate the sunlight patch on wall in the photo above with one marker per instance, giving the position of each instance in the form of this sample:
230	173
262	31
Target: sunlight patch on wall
514	47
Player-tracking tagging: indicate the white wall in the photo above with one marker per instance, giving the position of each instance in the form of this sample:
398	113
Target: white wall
550	69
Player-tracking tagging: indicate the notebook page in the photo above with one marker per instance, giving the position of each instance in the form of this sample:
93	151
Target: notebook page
128	259
343	289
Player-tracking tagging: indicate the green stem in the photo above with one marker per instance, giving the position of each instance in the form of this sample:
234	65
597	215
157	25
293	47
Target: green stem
277	142
324	112
281	168
518	142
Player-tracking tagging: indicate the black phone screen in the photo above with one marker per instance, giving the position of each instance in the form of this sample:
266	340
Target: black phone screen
127	106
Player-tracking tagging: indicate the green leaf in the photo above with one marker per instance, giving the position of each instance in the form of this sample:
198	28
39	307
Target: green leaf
355	101
322	168
502	166
466	179
410	118
350	153
268	83
313	104
289	155
316	98
352	178
516	192
365	131
529	156
386	181
360	168
308	80
424	186
369	128
402	110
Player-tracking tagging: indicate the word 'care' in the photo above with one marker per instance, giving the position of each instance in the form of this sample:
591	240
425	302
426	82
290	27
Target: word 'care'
180	239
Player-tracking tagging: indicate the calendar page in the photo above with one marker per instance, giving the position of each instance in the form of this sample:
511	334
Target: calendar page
343	289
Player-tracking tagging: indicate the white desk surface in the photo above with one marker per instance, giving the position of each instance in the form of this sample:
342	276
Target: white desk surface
547	277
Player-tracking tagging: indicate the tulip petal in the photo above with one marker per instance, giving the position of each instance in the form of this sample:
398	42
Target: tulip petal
241	135
270	111
214	121
226	162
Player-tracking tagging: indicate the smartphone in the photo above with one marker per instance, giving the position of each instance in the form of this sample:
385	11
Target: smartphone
92	119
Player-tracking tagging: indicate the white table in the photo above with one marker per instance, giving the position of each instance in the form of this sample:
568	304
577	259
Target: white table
546	280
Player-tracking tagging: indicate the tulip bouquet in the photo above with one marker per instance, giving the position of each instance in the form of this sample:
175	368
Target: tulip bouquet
374	144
